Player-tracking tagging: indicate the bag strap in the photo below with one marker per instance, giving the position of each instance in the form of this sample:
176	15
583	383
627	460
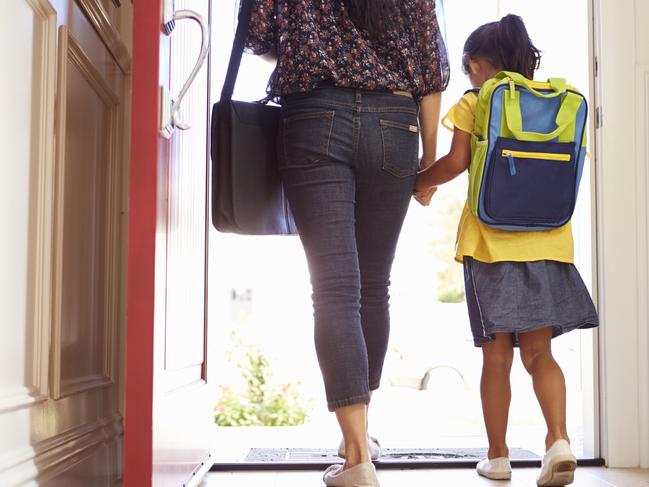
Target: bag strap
565	117
237	50
557	85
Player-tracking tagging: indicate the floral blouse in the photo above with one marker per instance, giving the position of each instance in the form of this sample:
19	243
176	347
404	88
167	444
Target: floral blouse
316	40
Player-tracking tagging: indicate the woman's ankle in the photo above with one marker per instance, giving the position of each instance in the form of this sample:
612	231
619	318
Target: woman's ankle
551	438
353	420
354	456
498	452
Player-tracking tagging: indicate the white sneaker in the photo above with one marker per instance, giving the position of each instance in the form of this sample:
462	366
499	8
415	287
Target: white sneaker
495	469
558	466
361	475
372	444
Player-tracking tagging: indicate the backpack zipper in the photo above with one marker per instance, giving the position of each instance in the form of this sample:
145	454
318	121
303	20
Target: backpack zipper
546	156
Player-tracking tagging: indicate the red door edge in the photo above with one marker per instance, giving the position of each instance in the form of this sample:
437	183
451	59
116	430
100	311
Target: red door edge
138	414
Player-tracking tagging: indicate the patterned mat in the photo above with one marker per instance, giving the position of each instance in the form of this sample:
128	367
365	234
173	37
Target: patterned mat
321	455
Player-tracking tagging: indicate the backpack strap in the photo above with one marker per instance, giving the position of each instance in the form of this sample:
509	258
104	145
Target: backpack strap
557	85
567	113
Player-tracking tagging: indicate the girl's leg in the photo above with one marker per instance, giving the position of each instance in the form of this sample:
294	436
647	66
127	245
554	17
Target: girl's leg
495	392
548	380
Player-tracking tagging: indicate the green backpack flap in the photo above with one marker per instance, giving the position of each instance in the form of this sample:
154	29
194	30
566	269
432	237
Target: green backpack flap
527	153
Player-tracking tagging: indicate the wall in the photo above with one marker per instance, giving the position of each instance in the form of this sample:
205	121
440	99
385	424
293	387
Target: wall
62	192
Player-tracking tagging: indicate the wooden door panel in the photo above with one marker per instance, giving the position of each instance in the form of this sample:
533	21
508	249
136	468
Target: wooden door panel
87	214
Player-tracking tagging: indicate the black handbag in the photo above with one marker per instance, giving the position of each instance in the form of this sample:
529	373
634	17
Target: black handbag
247	193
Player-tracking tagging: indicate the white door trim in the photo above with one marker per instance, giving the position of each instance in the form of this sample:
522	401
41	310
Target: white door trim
622	92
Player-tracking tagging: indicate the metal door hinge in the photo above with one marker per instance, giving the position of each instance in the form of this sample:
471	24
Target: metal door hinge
168	21
166	118
599	117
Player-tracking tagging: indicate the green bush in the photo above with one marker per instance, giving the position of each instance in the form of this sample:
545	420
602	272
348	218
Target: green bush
450	296
450	279
260	404
450	284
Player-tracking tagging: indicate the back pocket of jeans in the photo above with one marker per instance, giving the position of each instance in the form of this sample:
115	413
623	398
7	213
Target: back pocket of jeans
305	138
400	148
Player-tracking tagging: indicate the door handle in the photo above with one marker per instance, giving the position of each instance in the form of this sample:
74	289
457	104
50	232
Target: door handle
171	107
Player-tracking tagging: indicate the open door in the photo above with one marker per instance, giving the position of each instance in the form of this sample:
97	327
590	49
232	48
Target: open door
167	411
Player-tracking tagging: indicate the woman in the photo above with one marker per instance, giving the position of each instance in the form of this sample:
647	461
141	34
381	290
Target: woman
352	76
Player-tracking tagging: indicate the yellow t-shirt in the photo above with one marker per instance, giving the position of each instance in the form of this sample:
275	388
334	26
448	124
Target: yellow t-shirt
487	244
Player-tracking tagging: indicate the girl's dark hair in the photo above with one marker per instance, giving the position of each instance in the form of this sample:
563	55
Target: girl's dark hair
506	45
374	16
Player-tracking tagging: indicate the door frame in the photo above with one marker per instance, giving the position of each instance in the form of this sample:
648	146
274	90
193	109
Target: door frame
622	182
622	233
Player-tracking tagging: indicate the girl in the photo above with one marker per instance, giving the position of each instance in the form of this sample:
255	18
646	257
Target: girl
522	288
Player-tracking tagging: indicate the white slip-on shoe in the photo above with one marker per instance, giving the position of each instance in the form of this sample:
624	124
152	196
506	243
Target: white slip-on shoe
372	444
361	475
558	466
495	469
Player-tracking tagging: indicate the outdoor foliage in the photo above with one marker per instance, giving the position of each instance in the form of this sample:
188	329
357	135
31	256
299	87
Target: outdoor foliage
450	278
451	288
260	404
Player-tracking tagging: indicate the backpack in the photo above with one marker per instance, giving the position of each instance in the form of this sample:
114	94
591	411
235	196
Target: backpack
527	153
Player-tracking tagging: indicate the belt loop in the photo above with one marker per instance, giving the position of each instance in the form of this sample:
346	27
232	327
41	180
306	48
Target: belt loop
359	97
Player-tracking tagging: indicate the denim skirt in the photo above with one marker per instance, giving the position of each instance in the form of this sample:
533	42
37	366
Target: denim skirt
517	297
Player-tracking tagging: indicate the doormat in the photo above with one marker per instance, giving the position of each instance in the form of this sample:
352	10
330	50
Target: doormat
388	455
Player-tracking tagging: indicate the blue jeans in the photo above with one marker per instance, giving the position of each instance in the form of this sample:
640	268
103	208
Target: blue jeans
348	160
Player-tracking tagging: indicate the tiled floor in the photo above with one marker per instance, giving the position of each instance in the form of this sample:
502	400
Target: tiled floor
585	477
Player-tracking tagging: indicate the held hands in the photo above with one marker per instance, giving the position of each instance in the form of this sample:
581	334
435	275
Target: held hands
423	193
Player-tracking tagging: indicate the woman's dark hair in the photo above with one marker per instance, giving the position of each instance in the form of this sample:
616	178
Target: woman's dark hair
506	45
374	16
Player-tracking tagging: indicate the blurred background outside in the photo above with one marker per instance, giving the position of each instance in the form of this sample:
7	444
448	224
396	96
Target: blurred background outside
262	326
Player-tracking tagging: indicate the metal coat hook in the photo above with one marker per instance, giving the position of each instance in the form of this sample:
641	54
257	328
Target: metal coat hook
170	107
